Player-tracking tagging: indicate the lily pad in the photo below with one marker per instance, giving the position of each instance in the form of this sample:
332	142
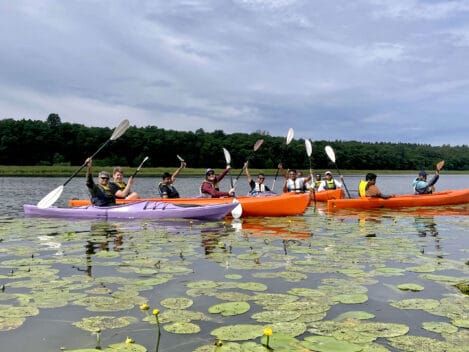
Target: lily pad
416	303
177	303
411	287
439	327
99	323
356	314
329	344
230	308
238	332
182	328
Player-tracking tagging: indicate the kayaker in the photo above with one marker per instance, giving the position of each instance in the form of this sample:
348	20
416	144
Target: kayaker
209	187
368	188
165	187
329	182
101	194
317	181
121	189
420	184
293	183
258	186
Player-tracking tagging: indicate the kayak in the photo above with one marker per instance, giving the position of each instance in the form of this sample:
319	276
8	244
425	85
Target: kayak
285	204
450	197
324	196
136	210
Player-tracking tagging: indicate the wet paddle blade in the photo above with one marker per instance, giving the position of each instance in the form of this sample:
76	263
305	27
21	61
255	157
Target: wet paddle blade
440	165
330	153
50	198
237	211
120	130
258	144
290	135
309	147
180	159
227	156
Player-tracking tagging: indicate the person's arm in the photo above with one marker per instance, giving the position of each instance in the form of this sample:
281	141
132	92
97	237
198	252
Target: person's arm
248	175
322	186
118	193
309	177
89	175
282	170
285	186
434	179
178	170
374	191
223	173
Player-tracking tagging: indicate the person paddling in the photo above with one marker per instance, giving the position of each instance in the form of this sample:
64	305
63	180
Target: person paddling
420	184
257	187
209	187
165	187
119	188
368	187
101	194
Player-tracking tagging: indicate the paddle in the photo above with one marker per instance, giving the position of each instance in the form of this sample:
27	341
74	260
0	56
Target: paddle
330	153
140	166
440	165
309	151
180	159
257	145
228	162
288	139
52	196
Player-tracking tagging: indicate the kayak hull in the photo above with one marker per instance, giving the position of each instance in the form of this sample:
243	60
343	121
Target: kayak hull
285	204
450	197
324	196
136	210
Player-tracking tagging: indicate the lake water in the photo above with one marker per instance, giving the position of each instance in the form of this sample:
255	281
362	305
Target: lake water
334	276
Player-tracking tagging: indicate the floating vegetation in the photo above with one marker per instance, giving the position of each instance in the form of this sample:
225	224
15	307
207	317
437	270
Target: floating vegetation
208	278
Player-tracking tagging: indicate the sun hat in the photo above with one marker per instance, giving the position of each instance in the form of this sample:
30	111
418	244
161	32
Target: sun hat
328	173
208	170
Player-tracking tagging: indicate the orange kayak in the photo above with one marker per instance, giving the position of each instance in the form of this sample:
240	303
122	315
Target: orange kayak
324	196
285	204
450	197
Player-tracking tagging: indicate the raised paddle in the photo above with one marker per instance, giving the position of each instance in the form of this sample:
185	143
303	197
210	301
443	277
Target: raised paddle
440	165
288	139
52	196
257	145
228	162
330	153
180	159
140	166
309	151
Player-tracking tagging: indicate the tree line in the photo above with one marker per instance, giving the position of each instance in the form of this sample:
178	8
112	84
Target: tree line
51	142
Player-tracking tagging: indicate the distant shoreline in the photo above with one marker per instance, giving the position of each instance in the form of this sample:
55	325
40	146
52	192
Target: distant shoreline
66	171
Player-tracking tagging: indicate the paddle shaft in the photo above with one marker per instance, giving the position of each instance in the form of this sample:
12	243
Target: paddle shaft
139	167
343	182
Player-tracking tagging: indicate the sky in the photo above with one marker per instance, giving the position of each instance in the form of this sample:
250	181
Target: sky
364	70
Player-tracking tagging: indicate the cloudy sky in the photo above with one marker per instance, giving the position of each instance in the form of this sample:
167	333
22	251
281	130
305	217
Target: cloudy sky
366	70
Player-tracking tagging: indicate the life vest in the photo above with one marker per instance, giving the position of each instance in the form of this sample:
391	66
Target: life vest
258	188
296	185
362	187
120	185
171	190
105	197
329	184
317	183
213	185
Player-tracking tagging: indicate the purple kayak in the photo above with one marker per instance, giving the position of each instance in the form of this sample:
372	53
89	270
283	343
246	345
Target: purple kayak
140	210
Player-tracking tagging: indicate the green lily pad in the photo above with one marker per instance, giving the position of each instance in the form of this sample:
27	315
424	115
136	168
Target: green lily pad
230	308
177	303
11	323
99	323
416	343
416	303
329	344
439	327
270	316
411	287
252	286
182	328
356	314
351	298
238	332
234	276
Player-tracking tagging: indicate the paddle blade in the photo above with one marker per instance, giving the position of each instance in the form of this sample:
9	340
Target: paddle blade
50	198
290	135
143	162
237	211
227	156
258	144
309	147
440	165
180	159
120	130
330	153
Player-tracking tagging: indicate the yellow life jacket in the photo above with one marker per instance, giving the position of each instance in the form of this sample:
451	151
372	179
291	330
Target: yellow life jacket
362	187
121	185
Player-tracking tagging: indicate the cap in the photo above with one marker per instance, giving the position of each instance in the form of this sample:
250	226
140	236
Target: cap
318	175
422	173
328	173
208	170
104	174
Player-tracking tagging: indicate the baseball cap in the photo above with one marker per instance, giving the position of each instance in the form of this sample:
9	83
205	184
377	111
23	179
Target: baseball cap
328	173
422	173
208	170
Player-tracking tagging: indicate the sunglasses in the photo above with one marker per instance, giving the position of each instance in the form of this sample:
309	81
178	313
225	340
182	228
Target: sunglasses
261	178
211	174
104	178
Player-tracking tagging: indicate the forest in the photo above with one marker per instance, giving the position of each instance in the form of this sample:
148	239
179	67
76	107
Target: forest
51	142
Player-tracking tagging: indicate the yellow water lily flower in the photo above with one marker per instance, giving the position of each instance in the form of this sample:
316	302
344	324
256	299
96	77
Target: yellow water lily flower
144	307
156	311
129	340
268	332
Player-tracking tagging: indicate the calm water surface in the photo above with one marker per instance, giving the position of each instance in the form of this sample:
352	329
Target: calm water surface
55	274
